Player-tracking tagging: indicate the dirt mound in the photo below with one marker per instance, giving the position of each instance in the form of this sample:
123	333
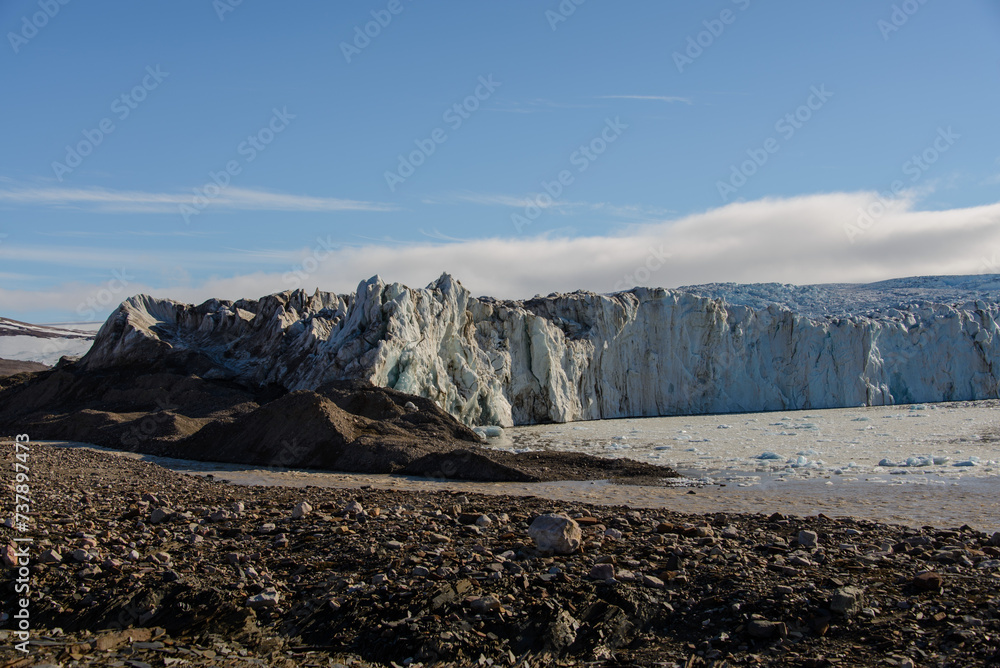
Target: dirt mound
346	426
12	367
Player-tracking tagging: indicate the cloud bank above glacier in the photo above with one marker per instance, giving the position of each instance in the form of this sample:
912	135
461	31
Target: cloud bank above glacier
821	238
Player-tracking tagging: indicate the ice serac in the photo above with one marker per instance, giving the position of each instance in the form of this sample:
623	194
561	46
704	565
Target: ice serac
566	357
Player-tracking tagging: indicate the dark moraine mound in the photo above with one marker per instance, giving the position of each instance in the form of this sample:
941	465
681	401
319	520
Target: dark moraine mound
12	367
344	425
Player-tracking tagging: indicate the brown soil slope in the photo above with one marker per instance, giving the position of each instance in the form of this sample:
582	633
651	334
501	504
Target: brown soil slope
346	425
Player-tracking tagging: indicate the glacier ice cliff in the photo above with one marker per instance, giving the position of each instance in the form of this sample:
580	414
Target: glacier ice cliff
576	356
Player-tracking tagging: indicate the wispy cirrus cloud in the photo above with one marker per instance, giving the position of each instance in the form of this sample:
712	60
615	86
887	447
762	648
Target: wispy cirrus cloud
628	211
657	98
107	200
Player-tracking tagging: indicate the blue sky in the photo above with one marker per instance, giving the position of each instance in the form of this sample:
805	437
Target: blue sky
650	131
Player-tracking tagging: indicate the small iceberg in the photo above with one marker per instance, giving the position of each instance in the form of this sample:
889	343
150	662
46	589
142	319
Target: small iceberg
489	431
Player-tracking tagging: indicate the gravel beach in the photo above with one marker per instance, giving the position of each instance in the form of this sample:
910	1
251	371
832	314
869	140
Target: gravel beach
134	565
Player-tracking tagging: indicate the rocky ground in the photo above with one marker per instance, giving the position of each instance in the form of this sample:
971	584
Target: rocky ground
134	565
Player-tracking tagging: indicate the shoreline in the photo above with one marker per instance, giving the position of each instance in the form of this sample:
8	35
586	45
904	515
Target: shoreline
914	500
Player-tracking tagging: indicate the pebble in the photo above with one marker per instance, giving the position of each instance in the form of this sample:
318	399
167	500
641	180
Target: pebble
602	572
846	601
653	581
160	515
50	557
808	539
353	508
485	604
268	598
928	581
759	628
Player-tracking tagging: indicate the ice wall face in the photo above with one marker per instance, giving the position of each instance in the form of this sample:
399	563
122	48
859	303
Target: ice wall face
568	357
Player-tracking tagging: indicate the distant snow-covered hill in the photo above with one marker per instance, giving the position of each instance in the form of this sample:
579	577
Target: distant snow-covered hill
44	344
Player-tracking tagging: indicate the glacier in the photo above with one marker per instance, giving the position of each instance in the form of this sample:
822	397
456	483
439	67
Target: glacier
582	355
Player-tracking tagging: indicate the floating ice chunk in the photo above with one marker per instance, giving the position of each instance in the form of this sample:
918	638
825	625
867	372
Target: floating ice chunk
887	462
768	455
807	453
940	460
799	462
860	419
724	426
918	407
664	447
919	461
489	431
971	461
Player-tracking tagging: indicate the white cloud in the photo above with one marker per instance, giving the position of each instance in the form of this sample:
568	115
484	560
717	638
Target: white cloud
796	240
133	201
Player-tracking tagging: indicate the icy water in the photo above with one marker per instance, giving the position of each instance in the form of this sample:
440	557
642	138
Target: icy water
939	464
936	442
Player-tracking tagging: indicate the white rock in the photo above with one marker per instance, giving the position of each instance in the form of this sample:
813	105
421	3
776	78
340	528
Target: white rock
301	509
353	508
268	598
555	533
